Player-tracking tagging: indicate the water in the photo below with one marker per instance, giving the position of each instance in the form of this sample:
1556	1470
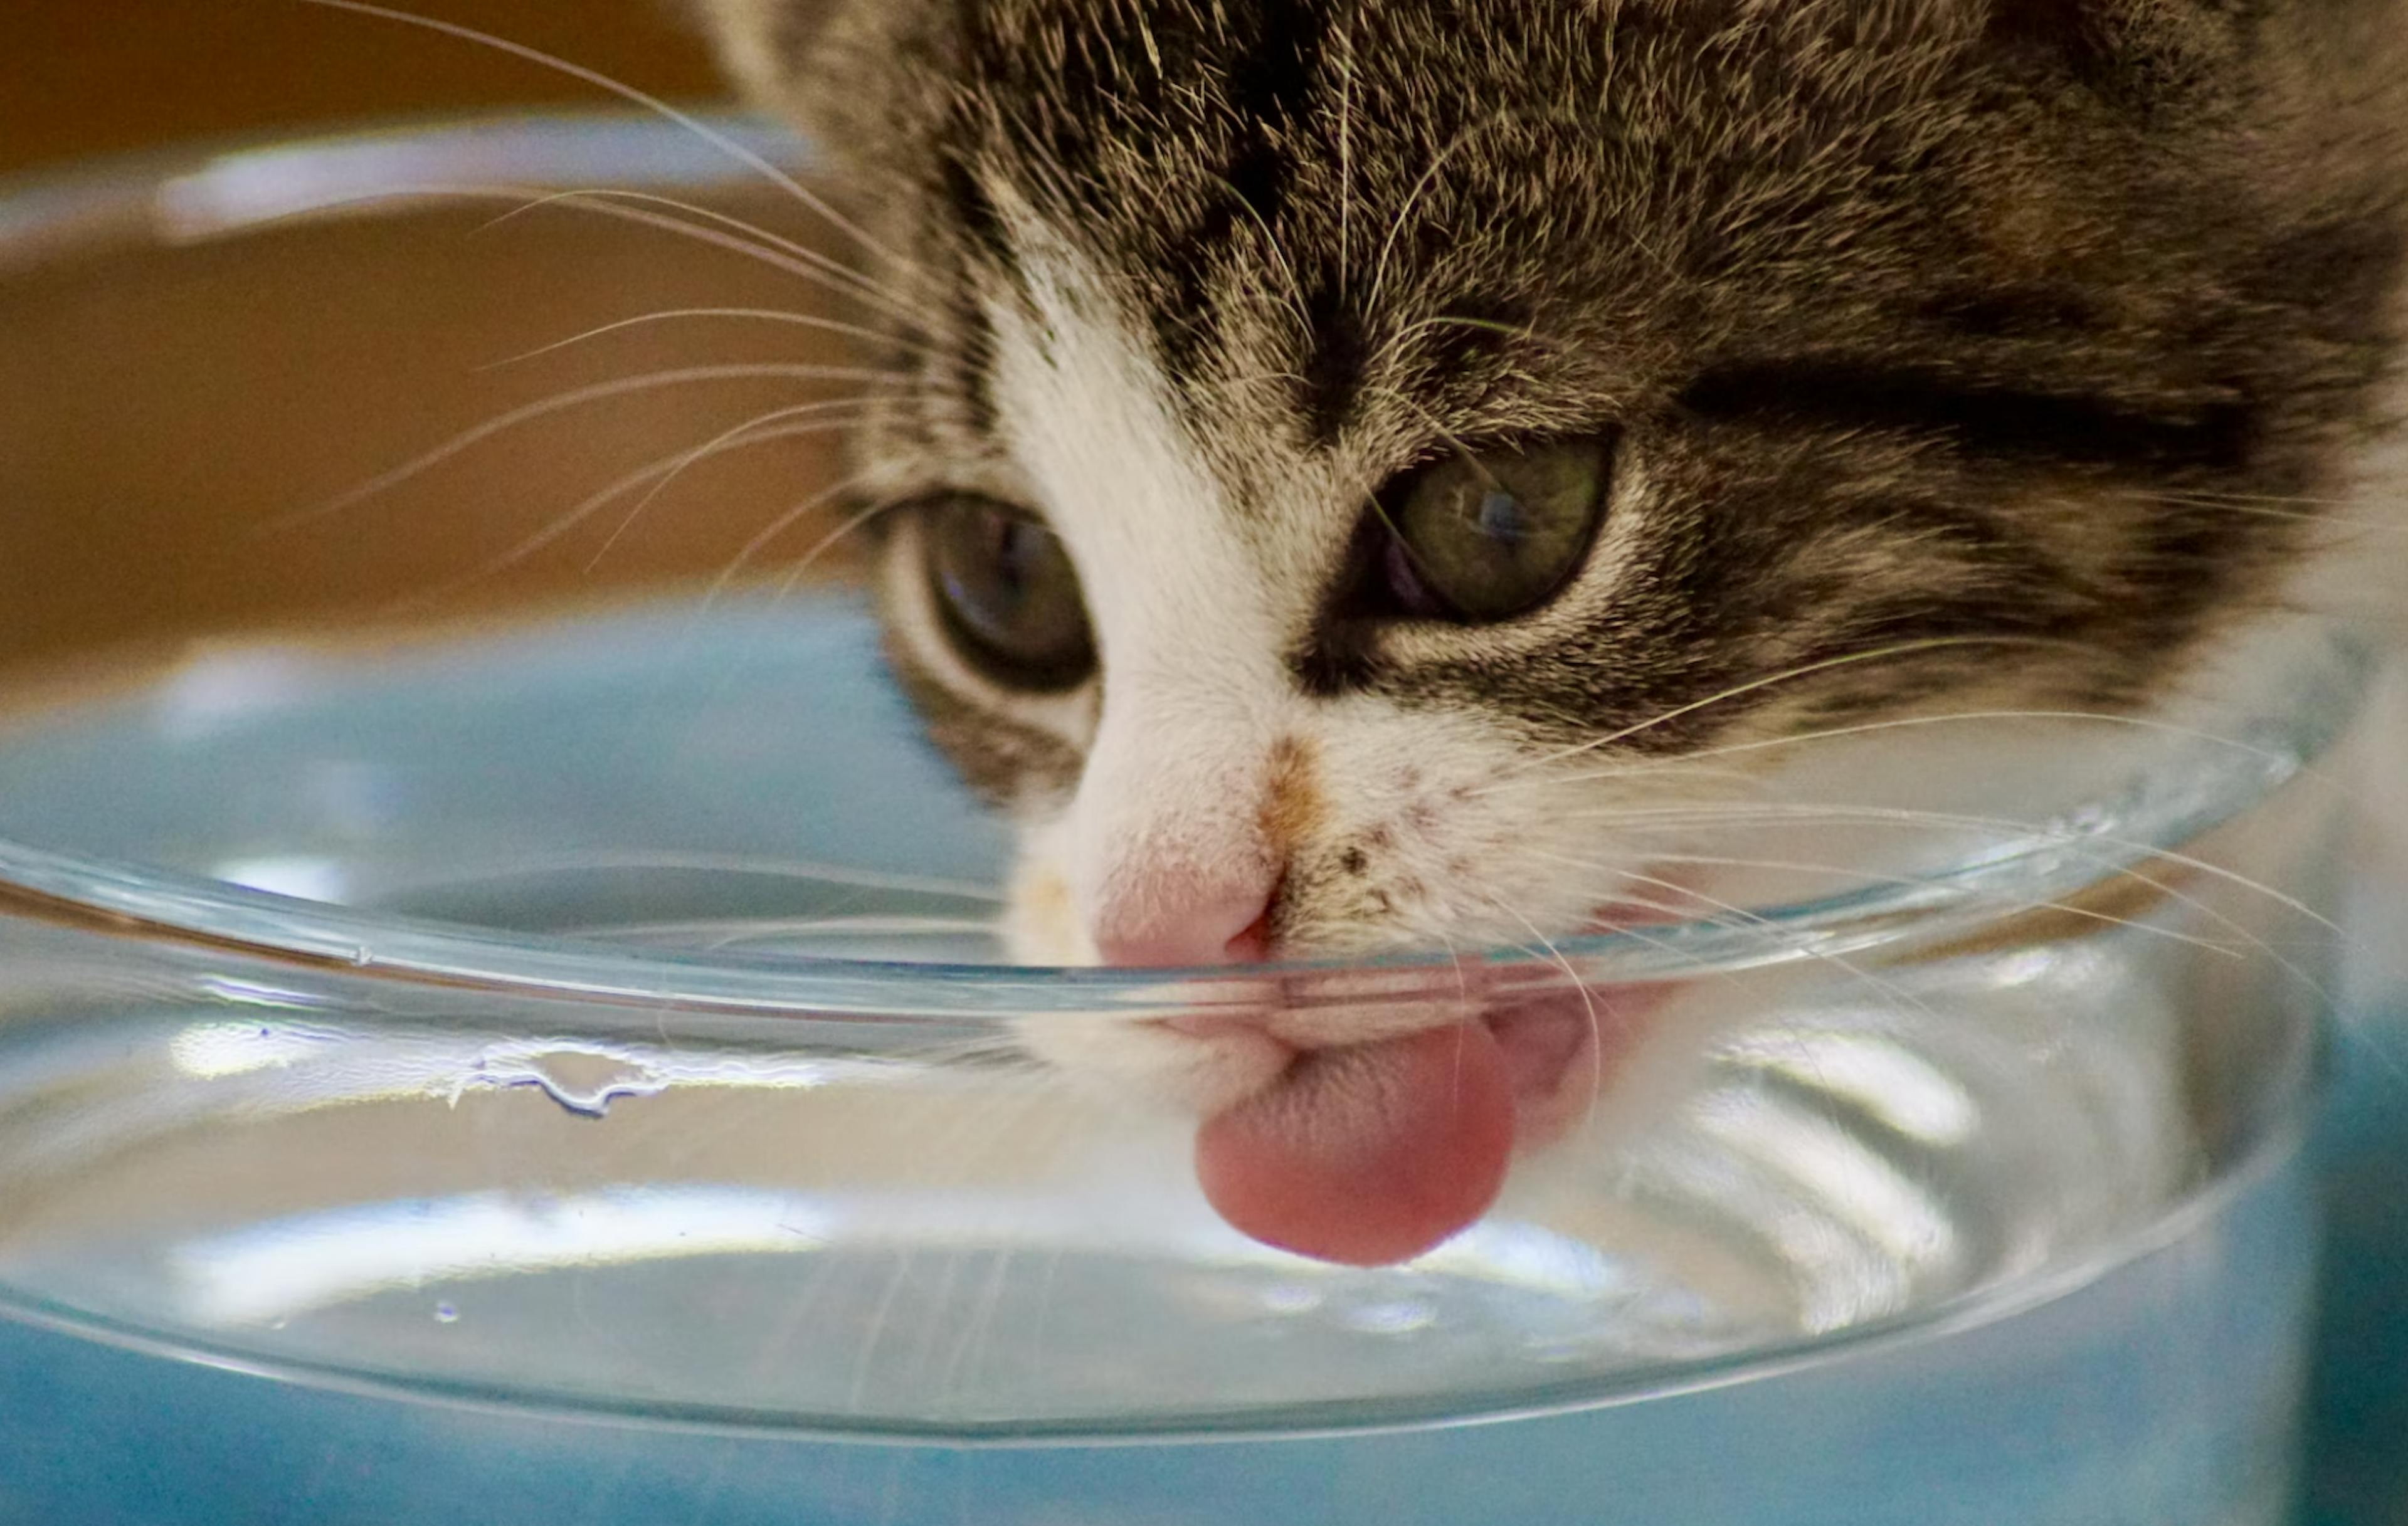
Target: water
780	1268
2161	1393
2016	1231
880	1236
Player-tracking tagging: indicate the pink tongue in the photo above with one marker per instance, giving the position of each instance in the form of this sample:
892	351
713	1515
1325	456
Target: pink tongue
1368	1154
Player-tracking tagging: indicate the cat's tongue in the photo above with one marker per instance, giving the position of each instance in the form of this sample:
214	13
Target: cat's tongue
1366	1154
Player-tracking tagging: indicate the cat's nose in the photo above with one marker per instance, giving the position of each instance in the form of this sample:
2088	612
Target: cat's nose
1185	919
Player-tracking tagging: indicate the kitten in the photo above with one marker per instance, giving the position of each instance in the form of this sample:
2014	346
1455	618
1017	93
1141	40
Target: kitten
1340	431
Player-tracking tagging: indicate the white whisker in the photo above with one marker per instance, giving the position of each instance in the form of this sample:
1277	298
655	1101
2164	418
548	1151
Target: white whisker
1904	648
596	204
629	94
848	282
1763	924
663	468
560	402
751	431
764	315
1657	766
1588	1002
785	521
2006	906
1413	200
2075	842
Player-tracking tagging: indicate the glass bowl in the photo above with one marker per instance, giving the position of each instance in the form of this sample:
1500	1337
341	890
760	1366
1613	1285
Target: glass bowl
556	1057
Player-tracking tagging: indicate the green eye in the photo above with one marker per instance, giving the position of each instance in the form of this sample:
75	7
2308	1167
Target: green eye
1488	537
1008	593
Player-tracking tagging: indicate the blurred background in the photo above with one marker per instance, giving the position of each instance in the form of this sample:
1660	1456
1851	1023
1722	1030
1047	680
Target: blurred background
175	411
89	76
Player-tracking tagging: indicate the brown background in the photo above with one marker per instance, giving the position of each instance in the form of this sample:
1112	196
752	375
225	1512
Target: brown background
85	77
161	416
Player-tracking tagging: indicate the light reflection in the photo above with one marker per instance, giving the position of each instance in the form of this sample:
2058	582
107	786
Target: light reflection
267	1273
221	688
304	876
1506	1254
318	1065
289	1266
1842	1177
1836	1279
237	992
1876	1075
211	1050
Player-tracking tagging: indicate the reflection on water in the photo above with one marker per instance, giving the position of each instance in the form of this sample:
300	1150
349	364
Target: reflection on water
286	1267
271	1272
1871	1072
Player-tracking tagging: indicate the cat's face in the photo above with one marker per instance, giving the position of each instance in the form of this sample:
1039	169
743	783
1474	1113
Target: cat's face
1350	447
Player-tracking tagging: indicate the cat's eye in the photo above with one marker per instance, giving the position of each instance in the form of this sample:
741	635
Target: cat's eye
1489	535
1007	593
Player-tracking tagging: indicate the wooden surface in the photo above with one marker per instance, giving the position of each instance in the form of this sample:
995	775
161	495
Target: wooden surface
86	77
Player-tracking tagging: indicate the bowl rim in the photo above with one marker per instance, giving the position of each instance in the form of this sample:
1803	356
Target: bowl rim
213	190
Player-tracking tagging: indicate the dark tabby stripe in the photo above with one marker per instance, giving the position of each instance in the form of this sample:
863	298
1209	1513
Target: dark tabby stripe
1983	421
1270	78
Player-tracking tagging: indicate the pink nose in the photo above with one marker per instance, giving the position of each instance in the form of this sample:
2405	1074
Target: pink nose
1181	921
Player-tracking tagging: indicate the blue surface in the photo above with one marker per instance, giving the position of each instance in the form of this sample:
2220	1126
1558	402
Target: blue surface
2359	1458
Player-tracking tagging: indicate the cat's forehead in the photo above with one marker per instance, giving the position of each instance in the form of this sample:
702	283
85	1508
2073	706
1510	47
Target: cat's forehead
1467	208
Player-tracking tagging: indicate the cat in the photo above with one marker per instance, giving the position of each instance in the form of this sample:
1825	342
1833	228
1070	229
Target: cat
1339	433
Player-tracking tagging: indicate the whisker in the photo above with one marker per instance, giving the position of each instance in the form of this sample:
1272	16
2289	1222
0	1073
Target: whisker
1413	201
728	439
853	282
592	203
1903	722
974	1332
2222	495
1295	302
2073	842
874	1329
1765	924
1588	1002
786	521
1902	649
629	94
2008	905
560	402
1415	330
2266	510
766	315
857	925
663	468
1625	929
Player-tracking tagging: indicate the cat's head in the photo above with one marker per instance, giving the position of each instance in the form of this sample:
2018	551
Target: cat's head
1348	445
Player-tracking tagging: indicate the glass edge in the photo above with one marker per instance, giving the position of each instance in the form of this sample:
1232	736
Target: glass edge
141	902
55	210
